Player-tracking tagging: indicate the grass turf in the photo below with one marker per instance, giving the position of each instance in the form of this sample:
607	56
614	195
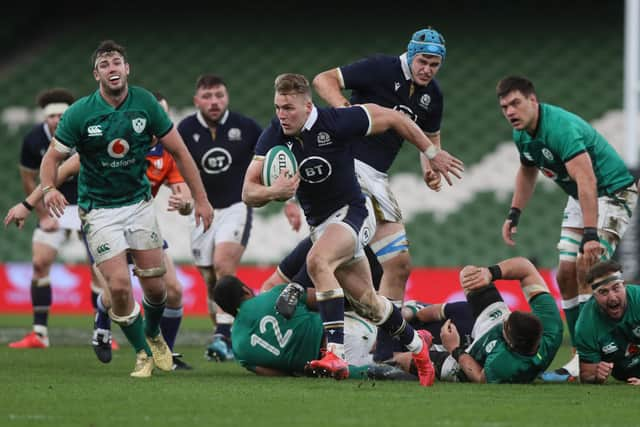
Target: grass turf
65	385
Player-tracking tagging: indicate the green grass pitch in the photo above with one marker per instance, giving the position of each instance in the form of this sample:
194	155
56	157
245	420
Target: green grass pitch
65	385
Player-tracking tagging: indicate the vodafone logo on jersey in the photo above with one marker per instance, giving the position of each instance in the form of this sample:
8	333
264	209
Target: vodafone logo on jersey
118	148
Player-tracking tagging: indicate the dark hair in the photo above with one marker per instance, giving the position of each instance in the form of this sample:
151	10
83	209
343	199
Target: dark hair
50	96
229	293
524	331
159	96
602	269
206	81
107	46
515	83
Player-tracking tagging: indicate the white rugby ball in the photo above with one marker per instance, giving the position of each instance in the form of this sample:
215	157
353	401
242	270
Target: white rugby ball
277	159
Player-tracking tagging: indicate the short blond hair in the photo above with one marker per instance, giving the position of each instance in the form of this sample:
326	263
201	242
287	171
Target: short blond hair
292	84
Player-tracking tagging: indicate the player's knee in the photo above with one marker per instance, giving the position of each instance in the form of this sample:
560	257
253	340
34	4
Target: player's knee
41	266
569	245
317	264
399	266
566	279
174	293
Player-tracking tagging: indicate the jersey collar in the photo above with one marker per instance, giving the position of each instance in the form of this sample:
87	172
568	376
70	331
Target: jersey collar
47	132
311	120
204	124
406	69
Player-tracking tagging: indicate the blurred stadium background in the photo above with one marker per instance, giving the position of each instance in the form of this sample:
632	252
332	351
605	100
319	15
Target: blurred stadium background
572	50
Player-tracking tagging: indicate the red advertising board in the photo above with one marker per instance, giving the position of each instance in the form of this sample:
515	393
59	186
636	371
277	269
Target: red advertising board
72	290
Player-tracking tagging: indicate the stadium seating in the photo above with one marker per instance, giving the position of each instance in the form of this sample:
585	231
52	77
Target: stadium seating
574	63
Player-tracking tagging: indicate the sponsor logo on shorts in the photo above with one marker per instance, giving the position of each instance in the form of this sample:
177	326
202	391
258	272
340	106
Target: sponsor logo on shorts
103	248
547	154
636	331
490	346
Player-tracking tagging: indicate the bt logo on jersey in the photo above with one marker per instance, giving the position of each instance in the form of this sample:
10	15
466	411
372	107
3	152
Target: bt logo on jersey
315	169
216	160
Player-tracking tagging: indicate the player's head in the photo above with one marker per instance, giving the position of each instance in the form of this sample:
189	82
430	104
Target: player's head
292	102
518	102
605	278
110	67
523	332
229	293
162	100
211	97
54	102
425	54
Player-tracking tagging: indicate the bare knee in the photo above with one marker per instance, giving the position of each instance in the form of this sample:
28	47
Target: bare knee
566	278
317	264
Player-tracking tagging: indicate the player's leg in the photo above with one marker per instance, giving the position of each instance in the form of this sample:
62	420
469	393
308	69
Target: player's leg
233	229
173	312
44	250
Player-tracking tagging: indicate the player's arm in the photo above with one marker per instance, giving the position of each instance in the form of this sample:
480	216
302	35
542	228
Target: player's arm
451	342
329	85
255	194
174	144
595	373
524	186
382	119
431	178
519	268
293	214
54	201
580	170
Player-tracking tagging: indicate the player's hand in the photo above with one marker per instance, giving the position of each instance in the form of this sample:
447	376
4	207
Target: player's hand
445	164
292	212
508	230
204	213
49	224
449	336
592	251
17	215
633	381
473	278
55	202
285	186
433	180
181	202
603	370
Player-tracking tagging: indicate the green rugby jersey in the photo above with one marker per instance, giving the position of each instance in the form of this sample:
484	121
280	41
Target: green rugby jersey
262	337
113	144
600	338
560	137
501	365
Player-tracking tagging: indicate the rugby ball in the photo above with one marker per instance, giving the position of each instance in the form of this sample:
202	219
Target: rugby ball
277	159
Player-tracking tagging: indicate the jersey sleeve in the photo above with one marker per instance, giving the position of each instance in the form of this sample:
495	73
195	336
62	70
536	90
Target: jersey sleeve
268	138
29	157
586	343
569	143
544	306
160	123
69	130
351	122
359	74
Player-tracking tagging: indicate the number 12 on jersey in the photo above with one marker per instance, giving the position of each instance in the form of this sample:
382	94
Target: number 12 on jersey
282	340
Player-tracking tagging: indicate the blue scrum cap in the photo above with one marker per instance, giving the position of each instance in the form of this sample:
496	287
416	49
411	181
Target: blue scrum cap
427	41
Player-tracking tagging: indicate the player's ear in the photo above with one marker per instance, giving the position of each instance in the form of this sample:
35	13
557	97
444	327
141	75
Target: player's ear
96	76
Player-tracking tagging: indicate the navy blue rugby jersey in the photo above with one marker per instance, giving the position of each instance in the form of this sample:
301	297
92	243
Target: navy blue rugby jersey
325	160
222	156
386	81
34	145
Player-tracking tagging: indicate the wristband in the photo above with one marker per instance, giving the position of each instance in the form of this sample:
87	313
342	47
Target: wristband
496	272
457	352
47	188
27	205
431	151
589	233
514	216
